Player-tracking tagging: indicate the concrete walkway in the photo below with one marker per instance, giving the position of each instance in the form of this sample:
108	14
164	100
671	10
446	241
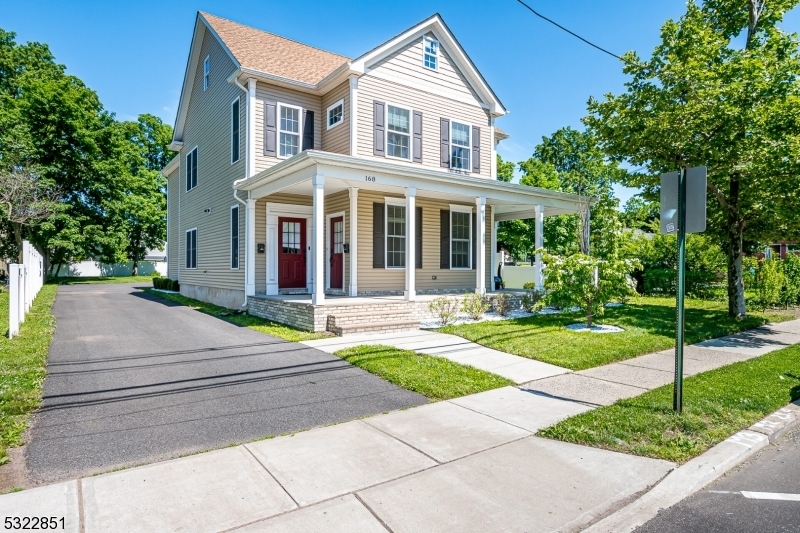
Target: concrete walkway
469	464
517	369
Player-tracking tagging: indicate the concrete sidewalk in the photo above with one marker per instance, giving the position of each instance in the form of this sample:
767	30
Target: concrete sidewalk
517	369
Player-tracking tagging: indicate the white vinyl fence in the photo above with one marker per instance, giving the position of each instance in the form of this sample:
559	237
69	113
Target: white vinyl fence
24	283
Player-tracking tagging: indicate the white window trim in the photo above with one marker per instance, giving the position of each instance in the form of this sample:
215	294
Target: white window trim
469	163
189	169
238	238
387	201
410	132
328	113
196	250
425	38
279	130
238	156
454	208
329	250
206	73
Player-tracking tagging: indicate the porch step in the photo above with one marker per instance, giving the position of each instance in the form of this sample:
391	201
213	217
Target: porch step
371	321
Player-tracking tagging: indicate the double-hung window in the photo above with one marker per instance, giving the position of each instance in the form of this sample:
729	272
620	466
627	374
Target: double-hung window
235	129
191	169
395	235
191	248
235	237
336	114
289	130
460	237
431	54
398	138
460	146
206	72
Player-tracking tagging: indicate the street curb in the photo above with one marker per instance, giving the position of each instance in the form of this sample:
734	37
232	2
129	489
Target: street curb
700	471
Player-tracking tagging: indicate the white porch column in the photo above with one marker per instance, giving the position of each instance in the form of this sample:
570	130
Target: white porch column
539	243
250	248
493	249
318	244
480	268
411	245
353	241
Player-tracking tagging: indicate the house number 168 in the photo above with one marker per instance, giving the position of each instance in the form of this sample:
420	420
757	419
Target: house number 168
369	178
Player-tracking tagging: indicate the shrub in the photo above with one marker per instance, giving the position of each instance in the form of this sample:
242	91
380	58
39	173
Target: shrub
444	308
165	284
533	301
529	285
475	305
771	281
749	271
156	274
791	274
502	304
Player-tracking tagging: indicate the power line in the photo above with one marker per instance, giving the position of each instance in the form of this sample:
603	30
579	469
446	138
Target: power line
556	24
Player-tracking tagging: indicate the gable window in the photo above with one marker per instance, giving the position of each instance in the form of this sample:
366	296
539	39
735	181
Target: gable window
395	234
431	55
206	72
460	146
289	130
398	138
336	114
460	237
235	237
191	169
191	248
235	135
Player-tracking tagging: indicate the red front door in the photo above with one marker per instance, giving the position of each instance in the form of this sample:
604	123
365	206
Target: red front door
337	253
292	253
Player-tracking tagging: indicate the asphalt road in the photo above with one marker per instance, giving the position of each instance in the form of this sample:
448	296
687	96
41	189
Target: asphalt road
728	505
133	379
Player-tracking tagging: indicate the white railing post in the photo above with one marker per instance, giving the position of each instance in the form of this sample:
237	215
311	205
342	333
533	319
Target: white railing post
24	283
14	282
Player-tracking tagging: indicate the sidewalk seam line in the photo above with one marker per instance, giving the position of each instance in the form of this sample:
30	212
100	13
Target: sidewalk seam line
373	513
271	475
616	382
490	416
402	441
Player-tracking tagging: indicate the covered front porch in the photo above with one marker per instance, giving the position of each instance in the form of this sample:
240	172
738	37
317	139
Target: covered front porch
334	230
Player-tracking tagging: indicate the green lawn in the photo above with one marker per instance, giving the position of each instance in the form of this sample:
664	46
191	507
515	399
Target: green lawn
22	366
281	331
102	280
435	377
717	404
649	325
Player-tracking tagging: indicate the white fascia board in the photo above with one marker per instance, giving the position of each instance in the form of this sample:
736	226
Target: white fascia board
440	30
172	165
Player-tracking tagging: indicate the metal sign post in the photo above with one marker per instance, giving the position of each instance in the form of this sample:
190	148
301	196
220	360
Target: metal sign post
683	210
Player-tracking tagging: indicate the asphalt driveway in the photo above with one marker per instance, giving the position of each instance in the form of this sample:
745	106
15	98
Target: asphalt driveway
134	379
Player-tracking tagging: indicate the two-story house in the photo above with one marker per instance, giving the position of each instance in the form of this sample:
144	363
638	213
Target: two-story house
323	191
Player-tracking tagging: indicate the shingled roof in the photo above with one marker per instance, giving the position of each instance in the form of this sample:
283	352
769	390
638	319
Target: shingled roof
272	54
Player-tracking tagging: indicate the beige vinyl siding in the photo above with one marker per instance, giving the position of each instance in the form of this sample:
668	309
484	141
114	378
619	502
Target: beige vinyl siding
261	231
433	107
266	92
208	126
406	66
337	139
382	279
173	235
336	203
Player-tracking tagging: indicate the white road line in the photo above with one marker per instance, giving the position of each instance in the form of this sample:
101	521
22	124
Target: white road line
771	496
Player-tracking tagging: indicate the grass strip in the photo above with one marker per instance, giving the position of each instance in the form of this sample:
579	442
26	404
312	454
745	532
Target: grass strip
649	325
102	280
22	366
434	377
255	323
717	404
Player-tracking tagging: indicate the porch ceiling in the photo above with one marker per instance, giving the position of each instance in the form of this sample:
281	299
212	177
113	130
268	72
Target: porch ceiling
509	201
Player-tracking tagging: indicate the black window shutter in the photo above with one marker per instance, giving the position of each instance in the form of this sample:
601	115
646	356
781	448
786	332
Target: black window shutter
444	240
379	140
474	240
445	145
418	239
194	169
417	137
189	157
270	128
378	237
476	149
308	130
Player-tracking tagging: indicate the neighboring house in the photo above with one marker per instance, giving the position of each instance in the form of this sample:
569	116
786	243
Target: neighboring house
303	176
780	250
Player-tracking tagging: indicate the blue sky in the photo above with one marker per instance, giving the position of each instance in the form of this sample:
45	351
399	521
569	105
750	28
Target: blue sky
134	53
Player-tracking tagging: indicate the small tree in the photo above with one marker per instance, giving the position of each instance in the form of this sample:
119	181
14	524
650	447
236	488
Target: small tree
587	282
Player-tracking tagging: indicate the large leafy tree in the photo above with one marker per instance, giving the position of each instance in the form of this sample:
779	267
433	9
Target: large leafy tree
721	90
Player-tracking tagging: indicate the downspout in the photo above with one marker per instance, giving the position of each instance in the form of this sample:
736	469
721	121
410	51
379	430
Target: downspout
235	80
